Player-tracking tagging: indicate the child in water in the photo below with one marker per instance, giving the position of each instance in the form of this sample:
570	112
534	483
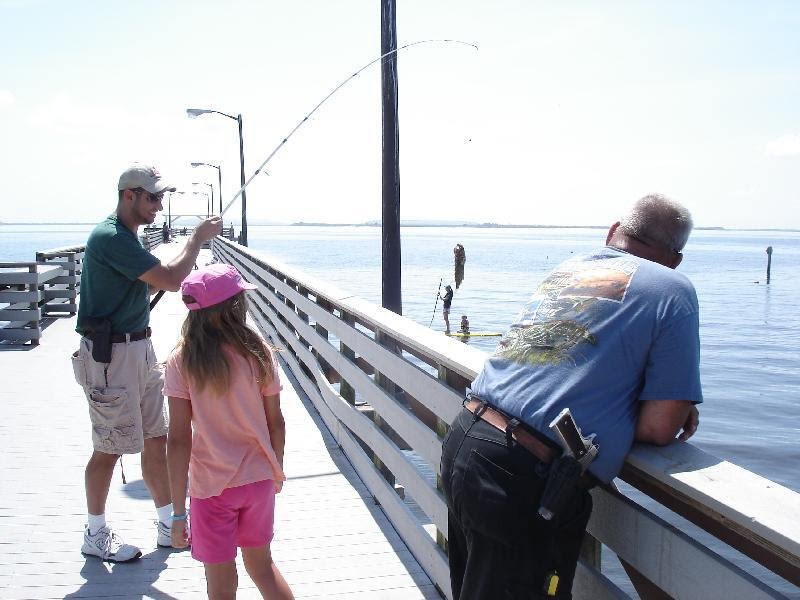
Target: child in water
222	381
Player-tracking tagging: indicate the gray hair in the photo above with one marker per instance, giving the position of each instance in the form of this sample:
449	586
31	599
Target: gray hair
659	219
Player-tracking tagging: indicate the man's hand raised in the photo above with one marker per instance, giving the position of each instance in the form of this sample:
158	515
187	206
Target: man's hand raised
208	228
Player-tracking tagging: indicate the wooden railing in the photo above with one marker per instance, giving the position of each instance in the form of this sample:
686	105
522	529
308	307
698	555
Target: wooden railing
152	237
61	292
29	291
21	294
386	388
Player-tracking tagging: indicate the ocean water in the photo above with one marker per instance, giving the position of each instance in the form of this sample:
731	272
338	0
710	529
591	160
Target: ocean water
750	331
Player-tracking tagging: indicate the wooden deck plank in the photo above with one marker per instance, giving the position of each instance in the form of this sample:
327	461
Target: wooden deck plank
331	540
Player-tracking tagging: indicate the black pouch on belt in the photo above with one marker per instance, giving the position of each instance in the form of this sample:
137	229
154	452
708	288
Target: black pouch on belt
561	485
99	331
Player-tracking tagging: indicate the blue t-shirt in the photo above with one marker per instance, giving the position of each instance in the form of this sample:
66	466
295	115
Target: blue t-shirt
603	332
110	285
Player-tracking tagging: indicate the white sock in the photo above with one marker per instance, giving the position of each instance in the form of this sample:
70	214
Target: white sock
95	522
165	513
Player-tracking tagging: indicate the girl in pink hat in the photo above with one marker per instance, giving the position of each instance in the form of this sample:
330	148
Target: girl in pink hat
222	381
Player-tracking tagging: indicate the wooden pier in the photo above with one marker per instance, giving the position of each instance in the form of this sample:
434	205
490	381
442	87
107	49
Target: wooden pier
331	540
367	397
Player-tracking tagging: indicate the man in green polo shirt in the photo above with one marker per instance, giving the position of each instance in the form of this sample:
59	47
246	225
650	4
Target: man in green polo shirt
123	388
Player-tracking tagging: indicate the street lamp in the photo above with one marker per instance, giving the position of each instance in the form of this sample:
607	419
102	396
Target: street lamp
196	112
209	207
219	173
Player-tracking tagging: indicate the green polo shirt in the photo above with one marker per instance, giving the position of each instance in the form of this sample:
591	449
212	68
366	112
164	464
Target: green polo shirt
110	284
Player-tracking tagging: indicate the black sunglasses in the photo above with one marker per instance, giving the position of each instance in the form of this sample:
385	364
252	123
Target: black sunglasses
151	197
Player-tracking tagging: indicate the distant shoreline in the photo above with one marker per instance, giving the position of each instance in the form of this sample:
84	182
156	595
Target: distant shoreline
438	224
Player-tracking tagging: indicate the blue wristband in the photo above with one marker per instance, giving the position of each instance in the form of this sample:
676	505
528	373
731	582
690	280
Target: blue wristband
180	517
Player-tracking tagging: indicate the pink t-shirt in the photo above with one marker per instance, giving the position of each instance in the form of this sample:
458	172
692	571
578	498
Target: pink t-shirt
230	439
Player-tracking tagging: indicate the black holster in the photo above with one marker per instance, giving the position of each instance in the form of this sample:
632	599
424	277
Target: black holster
560	487
99	331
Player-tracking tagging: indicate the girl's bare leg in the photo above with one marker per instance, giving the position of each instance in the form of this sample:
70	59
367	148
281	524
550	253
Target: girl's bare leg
221	580
265	573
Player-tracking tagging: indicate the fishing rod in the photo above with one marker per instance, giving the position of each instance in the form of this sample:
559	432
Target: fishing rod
437	301
156	298
325	99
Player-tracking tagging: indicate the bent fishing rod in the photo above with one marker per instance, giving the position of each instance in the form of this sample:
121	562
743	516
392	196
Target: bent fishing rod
325	99
438	295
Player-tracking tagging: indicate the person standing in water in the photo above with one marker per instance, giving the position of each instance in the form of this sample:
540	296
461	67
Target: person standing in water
222	382
447	299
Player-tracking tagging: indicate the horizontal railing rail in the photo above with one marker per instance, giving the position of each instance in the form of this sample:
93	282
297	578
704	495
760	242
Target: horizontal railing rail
30	291
22	295
386	387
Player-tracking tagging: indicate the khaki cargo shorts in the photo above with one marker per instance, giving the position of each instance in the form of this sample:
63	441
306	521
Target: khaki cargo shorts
126	405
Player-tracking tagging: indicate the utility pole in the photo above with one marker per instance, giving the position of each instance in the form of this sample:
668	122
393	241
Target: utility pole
391	296
243	234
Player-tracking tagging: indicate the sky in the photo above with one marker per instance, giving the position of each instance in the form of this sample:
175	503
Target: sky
565	114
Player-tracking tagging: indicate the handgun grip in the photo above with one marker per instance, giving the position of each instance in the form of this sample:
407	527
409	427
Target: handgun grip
567	430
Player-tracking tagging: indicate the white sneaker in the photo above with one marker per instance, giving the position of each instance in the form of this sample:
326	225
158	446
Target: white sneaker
164	534
108	545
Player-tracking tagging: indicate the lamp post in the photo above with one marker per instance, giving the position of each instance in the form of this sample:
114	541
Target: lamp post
196	112
219	173
209	207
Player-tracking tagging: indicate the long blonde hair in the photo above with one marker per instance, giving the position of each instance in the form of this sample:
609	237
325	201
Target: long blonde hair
203	334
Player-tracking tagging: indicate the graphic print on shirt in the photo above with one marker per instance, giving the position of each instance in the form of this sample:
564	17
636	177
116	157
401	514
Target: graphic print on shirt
548	330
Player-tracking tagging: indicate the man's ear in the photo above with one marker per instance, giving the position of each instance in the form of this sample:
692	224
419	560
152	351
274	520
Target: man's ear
611	231
675	260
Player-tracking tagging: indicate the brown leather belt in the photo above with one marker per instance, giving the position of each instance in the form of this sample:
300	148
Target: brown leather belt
118	338
524	438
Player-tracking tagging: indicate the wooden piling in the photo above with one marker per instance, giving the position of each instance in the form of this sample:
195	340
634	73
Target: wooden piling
769	261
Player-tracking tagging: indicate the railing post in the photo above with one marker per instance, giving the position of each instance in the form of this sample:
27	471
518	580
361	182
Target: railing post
73	264
391	389
460	384
34	305
346	390
326	368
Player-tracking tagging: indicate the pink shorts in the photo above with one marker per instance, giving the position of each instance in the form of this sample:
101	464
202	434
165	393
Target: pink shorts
241	516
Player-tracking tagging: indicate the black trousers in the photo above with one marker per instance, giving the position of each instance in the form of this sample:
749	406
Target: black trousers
499	546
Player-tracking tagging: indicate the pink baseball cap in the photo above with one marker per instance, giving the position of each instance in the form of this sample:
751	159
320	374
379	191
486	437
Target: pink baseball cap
213	284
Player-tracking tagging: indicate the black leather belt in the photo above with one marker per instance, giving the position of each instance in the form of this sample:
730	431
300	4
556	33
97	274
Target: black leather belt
118	338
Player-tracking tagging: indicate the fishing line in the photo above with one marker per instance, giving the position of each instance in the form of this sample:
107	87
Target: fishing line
437	302
336	89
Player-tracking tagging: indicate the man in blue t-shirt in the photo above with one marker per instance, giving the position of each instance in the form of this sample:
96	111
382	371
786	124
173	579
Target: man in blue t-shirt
613	336
123	387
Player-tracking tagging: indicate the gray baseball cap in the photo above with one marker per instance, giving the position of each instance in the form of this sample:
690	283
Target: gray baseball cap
146	177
